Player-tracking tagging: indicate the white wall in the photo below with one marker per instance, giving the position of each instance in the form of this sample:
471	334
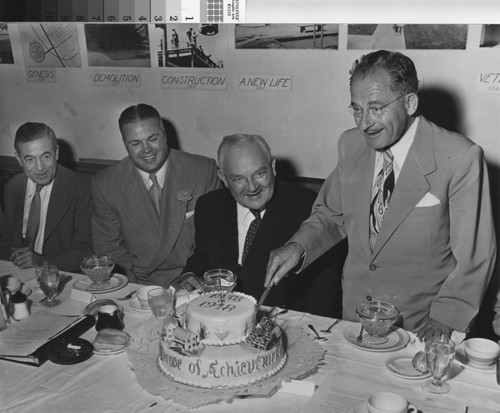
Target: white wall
302	126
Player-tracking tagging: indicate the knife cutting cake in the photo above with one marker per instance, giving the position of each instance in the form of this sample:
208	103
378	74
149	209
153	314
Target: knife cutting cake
218	344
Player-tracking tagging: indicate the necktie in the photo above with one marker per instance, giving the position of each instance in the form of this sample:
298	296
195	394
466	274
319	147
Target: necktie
155	192
33	219
252	230
381	194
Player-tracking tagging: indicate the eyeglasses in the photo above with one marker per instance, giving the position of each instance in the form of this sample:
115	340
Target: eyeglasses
258	177
374	111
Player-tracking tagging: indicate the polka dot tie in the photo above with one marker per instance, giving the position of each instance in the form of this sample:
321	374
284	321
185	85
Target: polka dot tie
252	230
381	194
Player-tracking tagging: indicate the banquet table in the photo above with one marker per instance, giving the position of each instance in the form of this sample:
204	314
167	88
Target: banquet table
343	381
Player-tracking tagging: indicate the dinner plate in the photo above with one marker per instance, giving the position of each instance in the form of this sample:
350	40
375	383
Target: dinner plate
135	304
397	339
116	282
401	366
70	351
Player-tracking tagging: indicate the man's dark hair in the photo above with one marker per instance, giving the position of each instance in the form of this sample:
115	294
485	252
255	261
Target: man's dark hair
137	113
399	67
31	131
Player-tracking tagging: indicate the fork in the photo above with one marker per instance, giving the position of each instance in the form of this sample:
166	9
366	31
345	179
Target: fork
329	329
128	296
318	337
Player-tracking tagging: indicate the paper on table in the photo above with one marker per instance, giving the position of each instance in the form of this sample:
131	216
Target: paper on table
25	336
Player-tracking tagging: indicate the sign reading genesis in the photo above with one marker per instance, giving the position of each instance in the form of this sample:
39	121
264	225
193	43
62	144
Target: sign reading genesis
122	78
273	83
488	82
46	74
188	80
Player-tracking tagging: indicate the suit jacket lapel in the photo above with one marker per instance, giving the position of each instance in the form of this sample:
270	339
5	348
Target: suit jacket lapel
20	195
361	184
412	183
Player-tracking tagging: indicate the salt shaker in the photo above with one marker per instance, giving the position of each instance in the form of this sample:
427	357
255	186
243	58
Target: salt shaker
20	308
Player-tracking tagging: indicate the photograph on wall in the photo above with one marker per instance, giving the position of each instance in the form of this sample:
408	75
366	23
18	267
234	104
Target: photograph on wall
6	55
287	36
118	45
406	36
190	45
490	35
50	45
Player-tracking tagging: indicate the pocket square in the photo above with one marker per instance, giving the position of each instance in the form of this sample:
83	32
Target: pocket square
428	200
189	214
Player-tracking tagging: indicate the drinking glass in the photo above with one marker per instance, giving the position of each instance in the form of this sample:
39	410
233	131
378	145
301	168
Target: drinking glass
160	301
219	280
48	278
439	354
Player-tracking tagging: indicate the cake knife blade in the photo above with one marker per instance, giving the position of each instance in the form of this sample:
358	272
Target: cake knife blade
264	295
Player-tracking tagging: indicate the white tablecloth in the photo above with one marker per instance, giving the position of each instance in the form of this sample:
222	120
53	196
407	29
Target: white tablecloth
107	383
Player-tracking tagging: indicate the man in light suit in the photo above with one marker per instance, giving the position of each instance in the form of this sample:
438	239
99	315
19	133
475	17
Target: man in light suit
433	250
223	219
144	205
62	230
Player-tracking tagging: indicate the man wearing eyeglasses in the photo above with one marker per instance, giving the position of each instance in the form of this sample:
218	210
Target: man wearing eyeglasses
254	201
413	200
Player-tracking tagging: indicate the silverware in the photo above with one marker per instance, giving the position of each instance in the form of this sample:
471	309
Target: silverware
264	295
360	336
498	371
329	329
128	296
318	337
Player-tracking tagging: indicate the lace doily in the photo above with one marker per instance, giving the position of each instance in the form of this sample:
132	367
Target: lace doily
304	356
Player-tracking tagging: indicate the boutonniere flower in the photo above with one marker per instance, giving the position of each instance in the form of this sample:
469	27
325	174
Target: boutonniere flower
184	196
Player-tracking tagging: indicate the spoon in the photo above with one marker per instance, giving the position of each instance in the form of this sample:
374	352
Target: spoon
129	295
318	337
359	339
329	329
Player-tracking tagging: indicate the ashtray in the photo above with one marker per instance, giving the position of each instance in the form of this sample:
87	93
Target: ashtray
69	351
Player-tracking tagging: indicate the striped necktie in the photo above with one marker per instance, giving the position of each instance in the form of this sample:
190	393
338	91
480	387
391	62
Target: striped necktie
382	190
155	192
33	224
252	230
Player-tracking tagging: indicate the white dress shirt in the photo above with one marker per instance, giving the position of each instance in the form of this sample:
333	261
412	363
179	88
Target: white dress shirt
160	175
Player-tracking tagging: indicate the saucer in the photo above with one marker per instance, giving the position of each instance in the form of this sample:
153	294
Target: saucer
116	282
135	304
94	306
486	369
397	339
361	408
110	349
402	367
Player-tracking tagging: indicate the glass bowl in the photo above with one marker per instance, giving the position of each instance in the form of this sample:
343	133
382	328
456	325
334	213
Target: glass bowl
98	268
218	280
377	318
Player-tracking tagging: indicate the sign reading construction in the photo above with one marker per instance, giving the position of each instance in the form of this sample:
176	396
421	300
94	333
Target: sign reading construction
188	80
122	78
269	83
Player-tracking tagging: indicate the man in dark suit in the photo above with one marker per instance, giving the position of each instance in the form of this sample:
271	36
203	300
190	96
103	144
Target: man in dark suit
47	208
144	204
223	219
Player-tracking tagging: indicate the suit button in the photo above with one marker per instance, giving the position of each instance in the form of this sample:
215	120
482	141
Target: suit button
373	267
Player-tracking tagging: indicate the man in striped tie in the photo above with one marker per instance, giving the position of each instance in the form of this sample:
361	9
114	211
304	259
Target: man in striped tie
48	207
413	200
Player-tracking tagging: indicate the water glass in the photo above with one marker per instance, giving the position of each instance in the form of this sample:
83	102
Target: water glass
439	354
160	301
48	278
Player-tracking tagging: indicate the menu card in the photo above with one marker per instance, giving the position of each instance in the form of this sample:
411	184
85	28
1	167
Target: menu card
27	340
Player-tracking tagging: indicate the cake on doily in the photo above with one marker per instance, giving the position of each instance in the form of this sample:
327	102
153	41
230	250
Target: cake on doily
218	344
